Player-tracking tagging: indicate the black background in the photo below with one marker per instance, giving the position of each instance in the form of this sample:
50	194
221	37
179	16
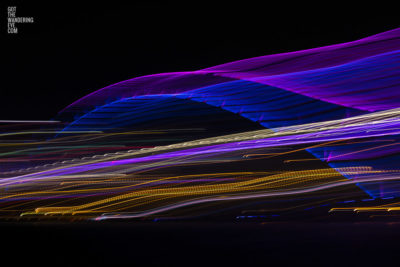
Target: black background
201	244
72	48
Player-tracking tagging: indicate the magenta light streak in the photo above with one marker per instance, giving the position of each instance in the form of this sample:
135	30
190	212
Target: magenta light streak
249	69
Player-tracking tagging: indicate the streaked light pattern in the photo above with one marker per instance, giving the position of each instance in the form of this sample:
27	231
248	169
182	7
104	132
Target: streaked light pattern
268	136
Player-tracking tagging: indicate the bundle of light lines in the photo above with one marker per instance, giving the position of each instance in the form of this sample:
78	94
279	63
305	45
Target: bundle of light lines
306	128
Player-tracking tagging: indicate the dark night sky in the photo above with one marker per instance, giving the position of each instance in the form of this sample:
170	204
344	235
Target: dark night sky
73	49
